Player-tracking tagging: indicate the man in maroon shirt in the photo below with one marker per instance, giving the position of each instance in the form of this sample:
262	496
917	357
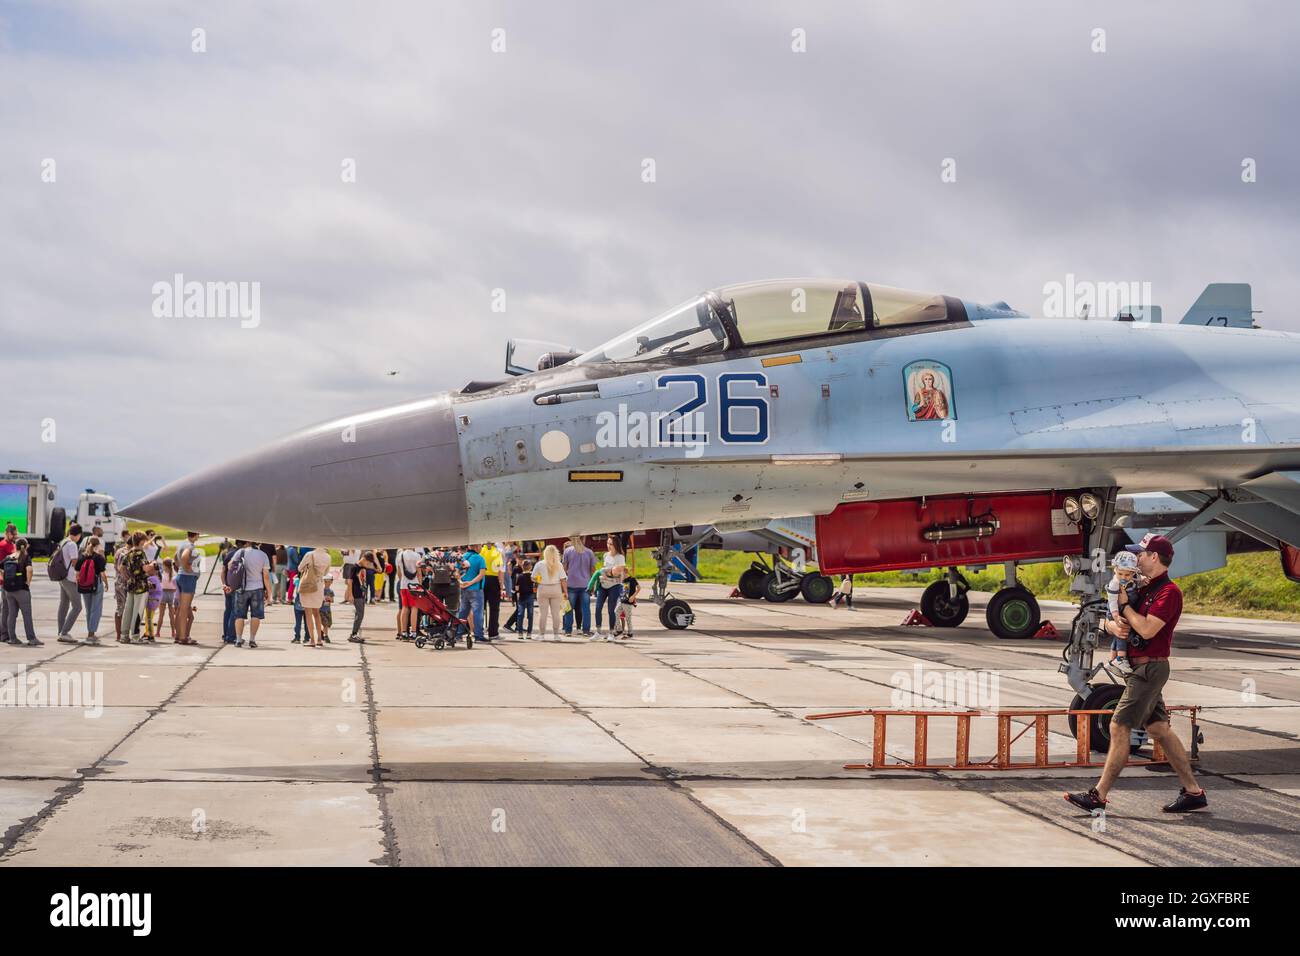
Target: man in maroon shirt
1148	624
8	544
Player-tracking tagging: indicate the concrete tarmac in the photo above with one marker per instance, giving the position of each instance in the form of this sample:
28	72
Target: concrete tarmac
673	748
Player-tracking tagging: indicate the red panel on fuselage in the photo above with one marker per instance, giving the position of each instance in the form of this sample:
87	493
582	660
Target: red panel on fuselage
887	535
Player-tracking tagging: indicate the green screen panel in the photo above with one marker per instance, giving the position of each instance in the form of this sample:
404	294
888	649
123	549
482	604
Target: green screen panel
13	506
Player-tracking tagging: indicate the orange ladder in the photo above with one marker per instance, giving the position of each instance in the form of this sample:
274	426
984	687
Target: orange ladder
1002	760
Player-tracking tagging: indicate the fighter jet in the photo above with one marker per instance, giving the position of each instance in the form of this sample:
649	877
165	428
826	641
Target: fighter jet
921	429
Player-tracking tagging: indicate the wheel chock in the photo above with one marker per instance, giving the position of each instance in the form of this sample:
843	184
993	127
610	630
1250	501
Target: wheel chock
735	592
917	619
1048	631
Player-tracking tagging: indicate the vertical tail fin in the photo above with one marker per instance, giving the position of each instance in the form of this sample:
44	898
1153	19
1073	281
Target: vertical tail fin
1222	304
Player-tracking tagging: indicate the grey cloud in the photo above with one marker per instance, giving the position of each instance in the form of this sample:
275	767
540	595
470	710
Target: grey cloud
521	171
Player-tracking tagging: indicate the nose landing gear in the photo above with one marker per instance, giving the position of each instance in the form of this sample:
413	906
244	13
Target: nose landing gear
674	613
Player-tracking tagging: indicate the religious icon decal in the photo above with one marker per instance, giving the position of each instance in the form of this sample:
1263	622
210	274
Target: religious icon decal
929	392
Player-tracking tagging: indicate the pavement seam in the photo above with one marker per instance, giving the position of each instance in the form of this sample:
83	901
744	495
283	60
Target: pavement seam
846	736
663	773
65	794
380	788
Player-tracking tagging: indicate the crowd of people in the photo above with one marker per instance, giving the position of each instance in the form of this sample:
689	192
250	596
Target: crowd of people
571	592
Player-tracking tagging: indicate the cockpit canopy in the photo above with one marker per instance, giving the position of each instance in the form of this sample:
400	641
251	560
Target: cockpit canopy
760	313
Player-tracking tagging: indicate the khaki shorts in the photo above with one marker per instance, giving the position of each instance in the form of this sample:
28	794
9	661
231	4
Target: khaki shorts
1141	703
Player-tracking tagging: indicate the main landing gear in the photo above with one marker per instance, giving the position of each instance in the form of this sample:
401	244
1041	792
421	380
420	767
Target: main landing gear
1090	572
674	613
944	603
782	583
1013	612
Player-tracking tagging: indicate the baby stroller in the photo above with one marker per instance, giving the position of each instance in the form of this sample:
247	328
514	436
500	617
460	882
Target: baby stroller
436	624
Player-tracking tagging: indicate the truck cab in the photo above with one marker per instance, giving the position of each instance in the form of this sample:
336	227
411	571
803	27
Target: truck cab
96	508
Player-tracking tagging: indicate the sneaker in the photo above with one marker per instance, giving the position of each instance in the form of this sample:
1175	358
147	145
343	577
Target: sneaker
355	640
588	633
326	639
1122	665
33	642
251	643
1089	801
609	637
594	636
1186	802
296	640
68	639
239	642
93	642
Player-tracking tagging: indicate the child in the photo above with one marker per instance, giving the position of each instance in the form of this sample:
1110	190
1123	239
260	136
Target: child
1124	578
626	603
170	597
525	589
153	602
326	612
298	616
844	592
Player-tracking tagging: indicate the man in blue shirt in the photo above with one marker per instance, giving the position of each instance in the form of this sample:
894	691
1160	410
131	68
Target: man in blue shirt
472	569
579	566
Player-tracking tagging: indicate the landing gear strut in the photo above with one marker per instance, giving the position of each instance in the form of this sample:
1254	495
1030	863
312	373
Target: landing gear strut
674	613
1090	573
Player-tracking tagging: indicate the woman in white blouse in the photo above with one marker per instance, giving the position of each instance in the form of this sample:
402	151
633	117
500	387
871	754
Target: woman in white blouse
609	587
549	575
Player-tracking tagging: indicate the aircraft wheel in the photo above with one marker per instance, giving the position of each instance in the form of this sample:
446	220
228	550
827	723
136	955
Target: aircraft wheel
816	588
675	614
778	597
751	584
1013	614
1102	697
940	608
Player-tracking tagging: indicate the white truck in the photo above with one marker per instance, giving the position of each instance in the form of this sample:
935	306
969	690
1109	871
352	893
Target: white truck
28	500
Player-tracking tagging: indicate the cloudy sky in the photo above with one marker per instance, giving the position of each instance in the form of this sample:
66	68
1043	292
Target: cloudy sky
521	169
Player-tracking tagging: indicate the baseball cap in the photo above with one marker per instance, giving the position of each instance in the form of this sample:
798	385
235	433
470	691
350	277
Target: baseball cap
1156	544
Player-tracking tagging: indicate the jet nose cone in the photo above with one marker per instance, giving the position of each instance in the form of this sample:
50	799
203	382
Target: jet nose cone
383	479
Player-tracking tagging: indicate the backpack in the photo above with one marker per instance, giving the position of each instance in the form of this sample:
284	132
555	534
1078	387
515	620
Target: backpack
57	568
86	575
235	571
12	574
309	576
